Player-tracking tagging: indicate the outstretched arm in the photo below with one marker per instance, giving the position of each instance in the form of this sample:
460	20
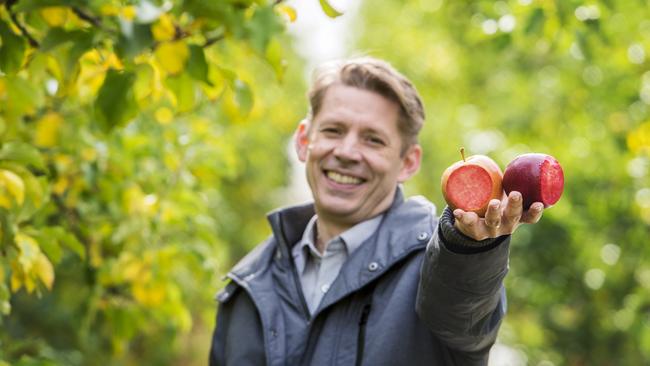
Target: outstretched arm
461	296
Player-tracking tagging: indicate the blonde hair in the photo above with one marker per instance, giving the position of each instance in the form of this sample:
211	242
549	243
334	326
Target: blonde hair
377	76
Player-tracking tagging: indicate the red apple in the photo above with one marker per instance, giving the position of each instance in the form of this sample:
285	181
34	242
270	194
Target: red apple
471	183
538	177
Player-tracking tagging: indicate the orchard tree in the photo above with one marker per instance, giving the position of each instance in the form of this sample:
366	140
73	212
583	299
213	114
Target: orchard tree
567	78
139	142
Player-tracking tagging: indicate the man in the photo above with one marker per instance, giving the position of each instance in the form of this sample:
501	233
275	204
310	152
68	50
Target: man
363	276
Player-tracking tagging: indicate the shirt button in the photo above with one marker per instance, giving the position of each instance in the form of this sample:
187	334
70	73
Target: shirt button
423	236
373	266
325	288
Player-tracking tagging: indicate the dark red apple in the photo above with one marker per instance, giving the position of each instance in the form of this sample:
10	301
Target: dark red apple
538	177
471	183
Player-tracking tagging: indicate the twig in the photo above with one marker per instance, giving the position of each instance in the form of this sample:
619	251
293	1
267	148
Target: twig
14	18
87	17
210	41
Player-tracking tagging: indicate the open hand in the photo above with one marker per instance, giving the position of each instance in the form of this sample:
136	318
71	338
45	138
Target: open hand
502	218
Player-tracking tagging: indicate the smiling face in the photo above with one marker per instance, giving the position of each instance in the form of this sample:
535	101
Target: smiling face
352	151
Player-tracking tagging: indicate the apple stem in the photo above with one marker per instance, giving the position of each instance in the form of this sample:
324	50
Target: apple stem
462	153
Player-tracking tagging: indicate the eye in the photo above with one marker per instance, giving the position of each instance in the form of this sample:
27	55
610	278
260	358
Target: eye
331	131
376	140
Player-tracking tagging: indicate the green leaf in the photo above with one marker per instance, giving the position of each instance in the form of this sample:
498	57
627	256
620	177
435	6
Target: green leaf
12	51
68	46
48	244
66	239
262	26
140	39
58	36
274	56
29	5
197	65
115	104
583	44
23	97
243	96
22	153
329	10
535	22
7	229
182	86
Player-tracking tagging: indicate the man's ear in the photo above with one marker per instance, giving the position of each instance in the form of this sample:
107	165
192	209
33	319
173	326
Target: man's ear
410	163
301	139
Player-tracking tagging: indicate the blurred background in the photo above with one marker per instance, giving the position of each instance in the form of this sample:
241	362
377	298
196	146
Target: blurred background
142	143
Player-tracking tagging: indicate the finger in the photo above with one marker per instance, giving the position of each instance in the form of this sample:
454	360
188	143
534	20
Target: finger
512	212
493	217
534	213
466	218
466	222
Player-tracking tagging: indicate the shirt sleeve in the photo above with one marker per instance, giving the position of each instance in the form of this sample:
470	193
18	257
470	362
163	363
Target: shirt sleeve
461	297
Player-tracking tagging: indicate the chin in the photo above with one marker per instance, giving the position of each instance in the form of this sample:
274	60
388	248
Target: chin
334	209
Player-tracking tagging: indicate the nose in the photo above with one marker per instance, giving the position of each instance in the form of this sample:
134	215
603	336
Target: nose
347	149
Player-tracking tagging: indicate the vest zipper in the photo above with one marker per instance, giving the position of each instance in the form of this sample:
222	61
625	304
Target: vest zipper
365	312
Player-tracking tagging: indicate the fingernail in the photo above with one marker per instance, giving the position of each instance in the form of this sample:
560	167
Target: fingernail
516	197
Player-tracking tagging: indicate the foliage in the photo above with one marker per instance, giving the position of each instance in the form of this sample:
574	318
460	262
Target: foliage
141	140
133	139
568	78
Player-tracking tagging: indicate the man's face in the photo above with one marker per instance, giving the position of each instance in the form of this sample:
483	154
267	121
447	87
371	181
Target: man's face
352	155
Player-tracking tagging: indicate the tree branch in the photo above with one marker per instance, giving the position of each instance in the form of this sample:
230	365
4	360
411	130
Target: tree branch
212	40
23	31
87	17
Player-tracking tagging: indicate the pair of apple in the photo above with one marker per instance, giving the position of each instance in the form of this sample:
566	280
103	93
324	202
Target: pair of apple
471	183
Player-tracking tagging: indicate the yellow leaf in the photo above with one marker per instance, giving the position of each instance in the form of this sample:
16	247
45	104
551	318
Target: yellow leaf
89	154
113	62
135	202
29	284
30	264
16	278
28	251
149	293
92	56
163	29
172	161
109	9
200	125
164	115
288	11
5	202
44	270
172	56
168	214
131	271
3	88
13	184
638	140
47	130
55	16
61	184
145	84
63	162
129	12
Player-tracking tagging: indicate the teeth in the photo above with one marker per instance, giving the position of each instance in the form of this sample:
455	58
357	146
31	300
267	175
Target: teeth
343	179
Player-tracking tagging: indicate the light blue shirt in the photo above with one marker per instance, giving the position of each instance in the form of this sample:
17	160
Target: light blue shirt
318	271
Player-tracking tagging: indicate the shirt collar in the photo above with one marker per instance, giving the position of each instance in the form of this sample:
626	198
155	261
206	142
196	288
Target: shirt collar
351	238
